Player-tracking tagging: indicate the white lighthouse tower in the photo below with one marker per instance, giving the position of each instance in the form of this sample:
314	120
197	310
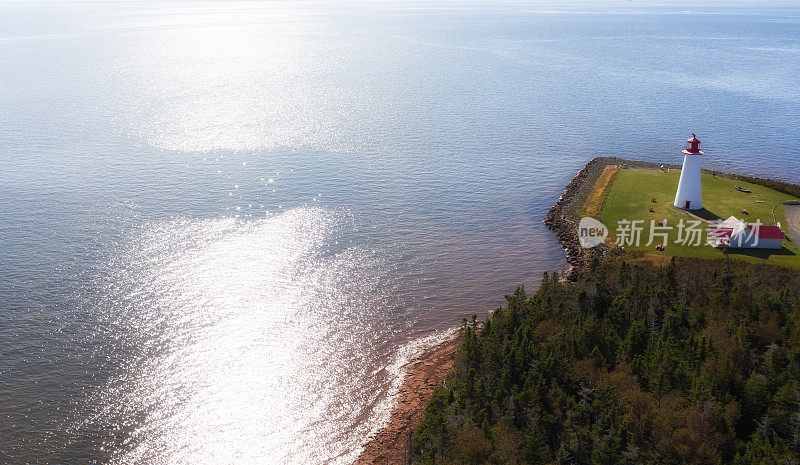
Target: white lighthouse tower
689	195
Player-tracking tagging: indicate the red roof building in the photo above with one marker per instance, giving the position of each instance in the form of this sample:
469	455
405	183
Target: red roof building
737	234
770	232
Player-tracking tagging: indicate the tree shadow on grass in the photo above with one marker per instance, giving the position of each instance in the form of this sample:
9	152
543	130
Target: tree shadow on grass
761	253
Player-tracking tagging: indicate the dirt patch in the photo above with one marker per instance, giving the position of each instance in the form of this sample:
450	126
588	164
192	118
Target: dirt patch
595	201
652	259
793	218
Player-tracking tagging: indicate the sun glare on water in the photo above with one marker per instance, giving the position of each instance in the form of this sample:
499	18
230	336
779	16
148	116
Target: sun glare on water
260	77
241	355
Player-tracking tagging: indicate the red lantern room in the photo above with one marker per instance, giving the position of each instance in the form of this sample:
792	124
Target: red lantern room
694	145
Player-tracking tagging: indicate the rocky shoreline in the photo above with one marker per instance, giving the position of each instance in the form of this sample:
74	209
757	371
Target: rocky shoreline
391	444
564	216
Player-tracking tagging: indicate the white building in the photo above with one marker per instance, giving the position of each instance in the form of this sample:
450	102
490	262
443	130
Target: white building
689	195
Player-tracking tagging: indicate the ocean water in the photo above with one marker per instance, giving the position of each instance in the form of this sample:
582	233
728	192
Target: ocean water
226	226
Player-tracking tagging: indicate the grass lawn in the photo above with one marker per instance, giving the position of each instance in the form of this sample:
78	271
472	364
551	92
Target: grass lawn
629	197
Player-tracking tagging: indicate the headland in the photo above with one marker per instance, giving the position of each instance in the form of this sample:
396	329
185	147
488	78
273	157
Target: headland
593	192
612	189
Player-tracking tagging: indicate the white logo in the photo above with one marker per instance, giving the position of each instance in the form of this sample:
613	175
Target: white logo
591	232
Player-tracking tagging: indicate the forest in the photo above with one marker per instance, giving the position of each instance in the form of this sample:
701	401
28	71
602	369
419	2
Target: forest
691	362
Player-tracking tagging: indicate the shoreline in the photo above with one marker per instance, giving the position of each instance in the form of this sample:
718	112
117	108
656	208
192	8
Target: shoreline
391	443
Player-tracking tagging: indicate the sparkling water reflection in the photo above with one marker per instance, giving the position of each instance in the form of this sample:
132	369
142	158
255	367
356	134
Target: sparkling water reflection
246	334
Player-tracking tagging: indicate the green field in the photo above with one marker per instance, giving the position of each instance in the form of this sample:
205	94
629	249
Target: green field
629	198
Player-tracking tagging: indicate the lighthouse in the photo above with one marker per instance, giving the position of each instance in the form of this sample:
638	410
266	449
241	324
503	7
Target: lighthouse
689	195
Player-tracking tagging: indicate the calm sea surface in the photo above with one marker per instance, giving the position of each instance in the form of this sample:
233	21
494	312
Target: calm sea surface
225	226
